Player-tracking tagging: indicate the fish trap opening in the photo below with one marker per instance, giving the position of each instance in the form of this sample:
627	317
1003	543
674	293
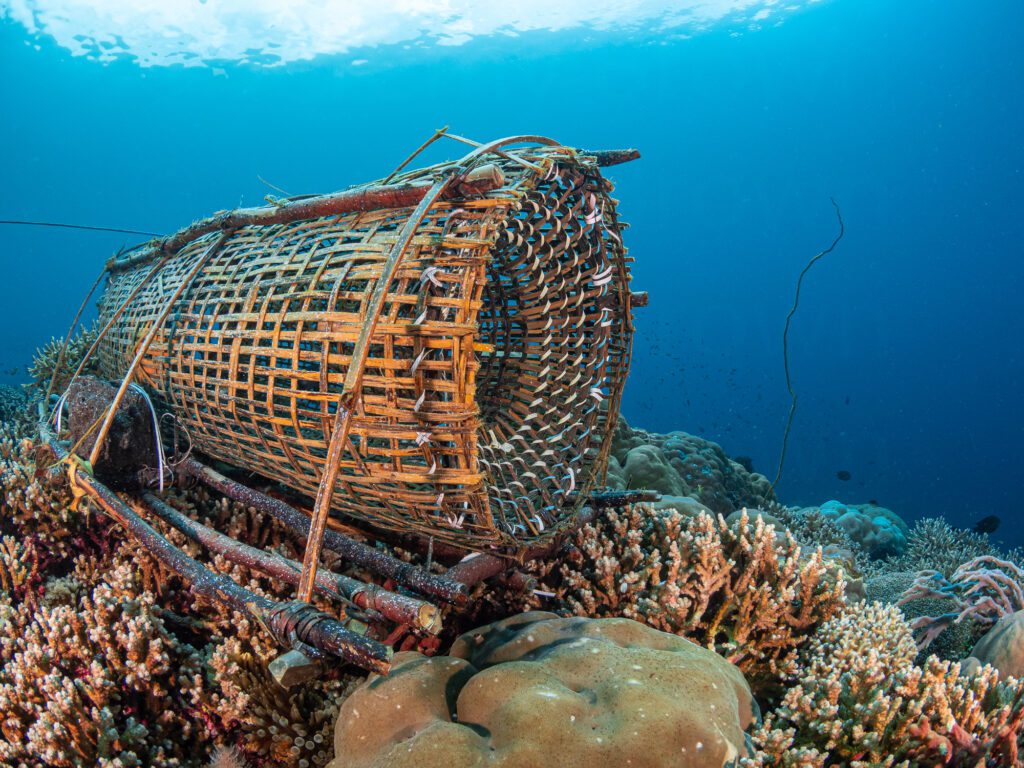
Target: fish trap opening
547	316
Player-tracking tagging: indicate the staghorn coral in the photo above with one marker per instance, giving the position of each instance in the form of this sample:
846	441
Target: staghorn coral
861	701
679	465
537	689
983	589
737	589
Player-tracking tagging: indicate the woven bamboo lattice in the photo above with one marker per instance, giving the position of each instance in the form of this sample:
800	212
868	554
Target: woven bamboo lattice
493	367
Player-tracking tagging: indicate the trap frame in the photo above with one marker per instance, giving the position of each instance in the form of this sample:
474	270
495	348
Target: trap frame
438	354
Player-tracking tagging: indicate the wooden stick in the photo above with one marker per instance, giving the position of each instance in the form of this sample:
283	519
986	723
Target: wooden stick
355	552
398	608
369	198
282	619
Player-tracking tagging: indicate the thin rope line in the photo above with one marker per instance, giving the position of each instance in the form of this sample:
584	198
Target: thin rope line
785	339
78	226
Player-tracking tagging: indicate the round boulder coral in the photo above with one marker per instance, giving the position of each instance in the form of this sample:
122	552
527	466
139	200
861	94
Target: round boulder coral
879	531
537	689
1002	647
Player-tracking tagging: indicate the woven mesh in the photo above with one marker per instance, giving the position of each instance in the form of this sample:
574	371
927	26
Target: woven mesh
493	373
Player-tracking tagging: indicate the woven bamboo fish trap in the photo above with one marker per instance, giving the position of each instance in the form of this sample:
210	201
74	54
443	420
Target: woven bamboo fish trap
445	358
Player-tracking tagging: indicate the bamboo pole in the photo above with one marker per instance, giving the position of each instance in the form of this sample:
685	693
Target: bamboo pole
369	198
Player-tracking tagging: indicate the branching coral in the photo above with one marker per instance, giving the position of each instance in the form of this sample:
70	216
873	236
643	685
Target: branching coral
739	589
983	589
15	413
101	683
934	544
105	657
286	727
44	363
861	701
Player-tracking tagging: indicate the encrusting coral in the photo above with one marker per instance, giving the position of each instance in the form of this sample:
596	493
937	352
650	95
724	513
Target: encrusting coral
860	700
537	689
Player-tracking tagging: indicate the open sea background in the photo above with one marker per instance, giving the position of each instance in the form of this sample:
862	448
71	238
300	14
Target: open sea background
906	348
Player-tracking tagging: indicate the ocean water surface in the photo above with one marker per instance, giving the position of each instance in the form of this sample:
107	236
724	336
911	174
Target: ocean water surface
906	348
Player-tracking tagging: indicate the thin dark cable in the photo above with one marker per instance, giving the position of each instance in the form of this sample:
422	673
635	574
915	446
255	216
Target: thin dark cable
78	226
785	339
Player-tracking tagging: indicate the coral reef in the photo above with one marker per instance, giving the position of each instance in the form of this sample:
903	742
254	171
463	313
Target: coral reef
101	682
105	658
739	589
537	689
954	643
933	544
983	589
860	700
15	416
682	465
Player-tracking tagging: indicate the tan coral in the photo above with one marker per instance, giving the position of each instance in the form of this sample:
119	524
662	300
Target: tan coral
738	589
292	728
861	701
537	689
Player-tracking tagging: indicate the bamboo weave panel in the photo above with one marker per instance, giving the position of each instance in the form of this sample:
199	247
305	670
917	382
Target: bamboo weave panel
497	362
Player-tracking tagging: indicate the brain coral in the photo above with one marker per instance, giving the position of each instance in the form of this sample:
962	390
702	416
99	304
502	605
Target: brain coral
679	464
537	690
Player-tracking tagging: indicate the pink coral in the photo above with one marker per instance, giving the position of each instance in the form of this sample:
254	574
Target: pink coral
984	589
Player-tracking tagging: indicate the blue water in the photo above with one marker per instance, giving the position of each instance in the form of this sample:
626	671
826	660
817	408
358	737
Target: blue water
905	350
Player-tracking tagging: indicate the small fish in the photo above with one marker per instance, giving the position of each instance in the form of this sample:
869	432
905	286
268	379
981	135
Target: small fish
746	462
12	371
987	524
843	475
